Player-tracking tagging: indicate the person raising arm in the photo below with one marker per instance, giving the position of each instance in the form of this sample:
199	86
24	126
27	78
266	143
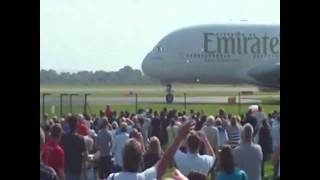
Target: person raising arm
206	142
168	155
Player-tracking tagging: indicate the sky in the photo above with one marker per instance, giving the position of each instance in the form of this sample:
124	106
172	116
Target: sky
107	35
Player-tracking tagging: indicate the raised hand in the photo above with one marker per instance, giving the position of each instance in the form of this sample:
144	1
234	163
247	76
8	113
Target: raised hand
185	128
202	136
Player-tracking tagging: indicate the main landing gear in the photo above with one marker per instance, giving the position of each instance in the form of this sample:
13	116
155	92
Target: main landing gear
169	96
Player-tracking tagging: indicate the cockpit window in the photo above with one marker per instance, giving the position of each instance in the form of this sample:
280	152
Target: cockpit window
159	49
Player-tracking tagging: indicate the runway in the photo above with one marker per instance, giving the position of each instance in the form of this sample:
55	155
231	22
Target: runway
156	89
136	89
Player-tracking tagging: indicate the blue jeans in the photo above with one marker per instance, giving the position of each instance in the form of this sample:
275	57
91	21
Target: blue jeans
70	176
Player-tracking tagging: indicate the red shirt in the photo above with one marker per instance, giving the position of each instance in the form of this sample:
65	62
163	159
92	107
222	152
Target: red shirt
108	112
53	155
82	129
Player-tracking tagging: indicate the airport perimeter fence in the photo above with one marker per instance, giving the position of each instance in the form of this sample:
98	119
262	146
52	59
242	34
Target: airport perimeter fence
61	104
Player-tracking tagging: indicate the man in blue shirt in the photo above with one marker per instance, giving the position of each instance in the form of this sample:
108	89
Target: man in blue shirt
104	143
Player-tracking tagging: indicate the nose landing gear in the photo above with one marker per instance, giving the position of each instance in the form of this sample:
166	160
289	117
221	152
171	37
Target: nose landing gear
169	96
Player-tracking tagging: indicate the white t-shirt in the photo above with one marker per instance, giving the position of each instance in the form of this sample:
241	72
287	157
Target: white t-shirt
148	174
259	117
193	162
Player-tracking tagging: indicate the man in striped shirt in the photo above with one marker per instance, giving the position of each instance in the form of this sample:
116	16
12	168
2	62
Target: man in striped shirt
234	132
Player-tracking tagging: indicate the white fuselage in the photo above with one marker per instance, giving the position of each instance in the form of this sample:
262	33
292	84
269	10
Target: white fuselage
223	54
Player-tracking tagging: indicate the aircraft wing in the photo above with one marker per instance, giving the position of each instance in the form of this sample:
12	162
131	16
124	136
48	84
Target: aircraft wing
267	73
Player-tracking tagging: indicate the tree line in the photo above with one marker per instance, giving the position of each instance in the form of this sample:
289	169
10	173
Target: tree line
125	75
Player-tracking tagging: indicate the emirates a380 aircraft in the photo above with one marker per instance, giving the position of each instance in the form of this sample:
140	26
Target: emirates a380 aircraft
217	54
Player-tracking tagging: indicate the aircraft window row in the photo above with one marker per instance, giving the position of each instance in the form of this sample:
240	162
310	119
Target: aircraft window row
265	55
208	55
233	34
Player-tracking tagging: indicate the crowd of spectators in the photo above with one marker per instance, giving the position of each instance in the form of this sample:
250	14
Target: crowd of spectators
144	145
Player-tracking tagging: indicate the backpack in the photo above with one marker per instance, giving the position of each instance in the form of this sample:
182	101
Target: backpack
243	175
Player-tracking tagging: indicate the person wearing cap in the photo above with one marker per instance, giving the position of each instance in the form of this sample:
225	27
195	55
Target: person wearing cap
115	129
118	145
259	114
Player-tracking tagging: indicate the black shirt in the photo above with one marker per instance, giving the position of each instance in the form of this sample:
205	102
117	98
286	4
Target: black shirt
265	141
253	121
47	173
155	127
73	146
150	160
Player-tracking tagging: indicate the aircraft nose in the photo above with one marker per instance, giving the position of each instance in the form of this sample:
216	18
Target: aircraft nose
146	65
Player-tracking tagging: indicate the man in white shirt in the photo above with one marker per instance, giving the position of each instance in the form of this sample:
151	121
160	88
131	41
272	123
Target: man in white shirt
193	161
118	145
259	116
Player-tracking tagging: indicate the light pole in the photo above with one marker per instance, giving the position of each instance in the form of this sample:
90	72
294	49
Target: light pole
43	103
61	97
136	103
70	101
185	101
85	102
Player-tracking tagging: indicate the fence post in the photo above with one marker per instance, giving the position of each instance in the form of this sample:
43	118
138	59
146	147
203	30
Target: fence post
70	101
136	103
239	103
43	103
85	102
61	102
185	101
